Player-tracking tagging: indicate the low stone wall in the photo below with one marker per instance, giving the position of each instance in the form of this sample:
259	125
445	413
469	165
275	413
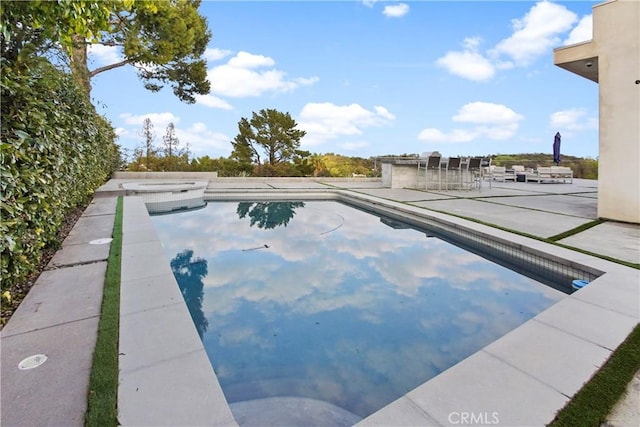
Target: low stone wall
165	175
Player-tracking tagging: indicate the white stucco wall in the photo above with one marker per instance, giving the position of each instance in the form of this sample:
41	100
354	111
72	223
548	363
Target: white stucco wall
612	59
616	34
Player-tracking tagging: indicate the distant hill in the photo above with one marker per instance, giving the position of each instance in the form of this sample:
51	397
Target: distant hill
586	168
337	165
582	167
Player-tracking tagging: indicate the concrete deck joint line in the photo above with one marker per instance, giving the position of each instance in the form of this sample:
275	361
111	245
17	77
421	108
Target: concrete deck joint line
524	372
54	325
152	309
77	264
158	362
592	341
97	214
419	408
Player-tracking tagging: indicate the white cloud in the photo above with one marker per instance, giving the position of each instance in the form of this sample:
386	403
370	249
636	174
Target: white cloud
159	120
105	55
536	33
533	35
201	139
572	120
249	60
119	131
384	113
486	113
306	81
213	102
369	3
491	121
325	121
471	43
581	32
239	82
243	76
468	64
396	10
215	54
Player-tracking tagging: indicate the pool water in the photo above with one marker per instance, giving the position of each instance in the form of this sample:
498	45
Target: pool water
325	302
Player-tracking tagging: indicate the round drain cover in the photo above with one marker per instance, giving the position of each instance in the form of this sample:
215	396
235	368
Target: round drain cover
101	241
32	361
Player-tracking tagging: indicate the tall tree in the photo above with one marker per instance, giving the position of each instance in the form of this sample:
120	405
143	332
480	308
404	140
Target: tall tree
165	40
243	150
149	136
33	23
171	141
272	132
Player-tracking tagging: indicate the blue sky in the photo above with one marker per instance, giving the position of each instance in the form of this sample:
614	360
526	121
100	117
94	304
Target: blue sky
369	78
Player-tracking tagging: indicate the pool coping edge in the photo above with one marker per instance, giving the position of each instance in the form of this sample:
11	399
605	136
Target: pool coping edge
607	294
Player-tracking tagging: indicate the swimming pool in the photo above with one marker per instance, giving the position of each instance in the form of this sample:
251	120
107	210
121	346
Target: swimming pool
321	301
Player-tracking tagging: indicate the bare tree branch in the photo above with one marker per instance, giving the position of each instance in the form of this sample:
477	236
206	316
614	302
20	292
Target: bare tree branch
109	43
109	67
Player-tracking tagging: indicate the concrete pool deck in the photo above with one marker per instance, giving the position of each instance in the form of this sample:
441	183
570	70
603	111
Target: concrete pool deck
522	378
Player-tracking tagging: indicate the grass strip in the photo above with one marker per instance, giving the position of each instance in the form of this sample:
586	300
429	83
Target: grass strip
103	383
604	257
541	239
576	230
594	402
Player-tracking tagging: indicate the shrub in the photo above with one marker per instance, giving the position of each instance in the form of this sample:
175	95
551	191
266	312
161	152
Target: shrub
55	150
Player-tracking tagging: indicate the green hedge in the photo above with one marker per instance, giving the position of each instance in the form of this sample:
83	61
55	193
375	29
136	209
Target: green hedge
55	151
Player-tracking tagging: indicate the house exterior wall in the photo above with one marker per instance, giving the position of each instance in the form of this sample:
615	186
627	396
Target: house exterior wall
616	29
615	51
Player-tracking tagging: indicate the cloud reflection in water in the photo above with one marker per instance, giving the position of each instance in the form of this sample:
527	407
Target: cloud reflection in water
335	305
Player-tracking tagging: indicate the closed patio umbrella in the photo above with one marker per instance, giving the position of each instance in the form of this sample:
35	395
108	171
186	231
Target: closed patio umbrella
556	148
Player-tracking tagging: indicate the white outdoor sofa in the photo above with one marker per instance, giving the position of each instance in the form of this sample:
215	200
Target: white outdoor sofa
501	174
551	174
